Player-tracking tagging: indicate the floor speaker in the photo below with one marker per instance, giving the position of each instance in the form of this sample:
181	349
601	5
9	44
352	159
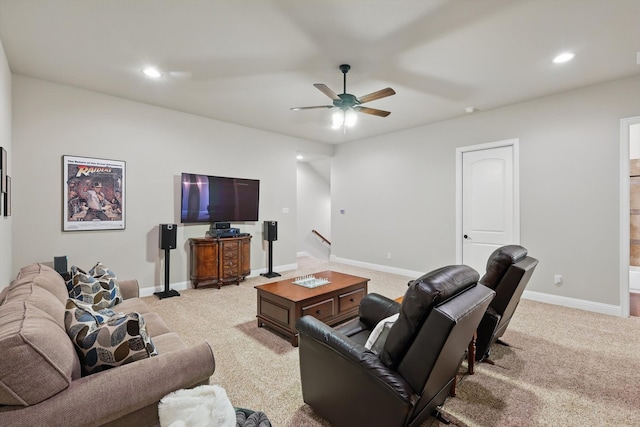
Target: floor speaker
168	236
168	233
270	233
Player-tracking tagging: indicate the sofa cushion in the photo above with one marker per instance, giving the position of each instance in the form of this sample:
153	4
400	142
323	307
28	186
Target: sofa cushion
39	297
38	359
45	277
134	304
101	290
105	339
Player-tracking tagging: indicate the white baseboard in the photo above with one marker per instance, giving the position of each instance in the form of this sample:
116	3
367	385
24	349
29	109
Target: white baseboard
634	279
596	307
181	286
277	269
378	267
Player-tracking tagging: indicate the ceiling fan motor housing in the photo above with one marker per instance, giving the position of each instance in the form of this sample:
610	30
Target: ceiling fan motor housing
346	101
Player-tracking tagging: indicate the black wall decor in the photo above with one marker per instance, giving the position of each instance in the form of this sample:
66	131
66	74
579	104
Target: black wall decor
3	170
7	197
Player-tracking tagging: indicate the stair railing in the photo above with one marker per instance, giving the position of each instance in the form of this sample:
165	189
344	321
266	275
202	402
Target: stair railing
324	239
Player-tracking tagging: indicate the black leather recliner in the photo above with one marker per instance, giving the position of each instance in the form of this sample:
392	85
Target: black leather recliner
508	272
349	385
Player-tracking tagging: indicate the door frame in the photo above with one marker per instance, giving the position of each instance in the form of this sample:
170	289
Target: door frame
625	220
515	143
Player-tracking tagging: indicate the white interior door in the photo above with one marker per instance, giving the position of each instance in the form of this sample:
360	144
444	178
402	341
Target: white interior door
489	201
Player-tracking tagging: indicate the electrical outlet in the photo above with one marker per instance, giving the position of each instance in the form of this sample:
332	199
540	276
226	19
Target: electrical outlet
388	255
557	279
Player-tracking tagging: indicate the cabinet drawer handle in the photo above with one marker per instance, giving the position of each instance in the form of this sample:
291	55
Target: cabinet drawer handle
352	299
318	311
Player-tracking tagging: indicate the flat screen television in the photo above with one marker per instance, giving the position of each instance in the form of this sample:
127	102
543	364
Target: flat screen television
218	199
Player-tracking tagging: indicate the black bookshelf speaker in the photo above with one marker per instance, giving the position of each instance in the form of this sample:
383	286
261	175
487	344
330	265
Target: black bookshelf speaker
168	236
270	233
60	264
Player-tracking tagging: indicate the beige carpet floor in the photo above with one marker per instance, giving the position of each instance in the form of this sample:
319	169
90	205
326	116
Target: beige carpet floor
564	367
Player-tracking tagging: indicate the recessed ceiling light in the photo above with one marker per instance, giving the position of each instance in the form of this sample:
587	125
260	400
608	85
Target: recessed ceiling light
299	157
152	72
563	57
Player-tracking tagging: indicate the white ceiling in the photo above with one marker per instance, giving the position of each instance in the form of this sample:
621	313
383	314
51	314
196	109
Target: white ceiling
248	61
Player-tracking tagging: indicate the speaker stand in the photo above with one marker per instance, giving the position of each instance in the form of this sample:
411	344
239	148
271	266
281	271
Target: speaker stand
167	293
270	274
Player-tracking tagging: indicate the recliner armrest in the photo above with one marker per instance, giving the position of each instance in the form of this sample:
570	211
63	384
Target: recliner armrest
375	307
364	360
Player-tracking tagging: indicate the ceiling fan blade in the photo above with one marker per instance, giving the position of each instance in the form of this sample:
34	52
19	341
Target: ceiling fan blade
374	111
325	89
310	108
377	95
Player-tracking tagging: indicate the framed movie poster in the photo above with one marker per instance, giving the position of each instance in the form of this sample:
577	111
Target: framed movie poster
94	194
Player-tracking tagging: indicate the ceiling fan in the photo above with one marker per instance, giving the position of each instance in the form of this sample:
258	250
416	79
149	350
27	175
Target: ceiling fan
348	102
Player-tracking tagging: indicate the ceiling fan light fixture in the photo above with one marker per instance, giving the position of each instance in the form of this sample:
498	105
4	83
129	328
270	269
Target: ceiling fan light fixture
350	118
346	118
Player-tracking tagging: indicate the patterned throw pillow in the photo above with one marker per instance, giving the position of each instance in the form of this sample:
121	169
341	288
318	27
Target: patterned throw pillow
98	287
105	339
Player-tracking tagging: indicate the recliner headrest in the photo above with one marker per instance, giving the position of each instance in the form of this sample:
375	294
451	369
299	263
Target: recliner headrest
499	262
423	295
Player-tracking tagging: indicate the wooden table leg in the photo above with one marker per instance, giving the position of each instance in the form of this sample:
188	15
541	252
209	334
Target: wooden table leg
471	354
452	392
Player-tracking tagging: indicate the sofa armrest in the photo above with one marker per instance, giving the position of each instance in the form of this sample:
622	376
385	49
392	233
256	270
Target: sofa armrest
109	395
129	288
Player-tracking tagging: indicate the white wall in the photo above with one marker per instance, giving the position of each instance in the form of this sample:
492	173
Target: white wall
634	142
6	235
157	144
397	197
398	190
314	212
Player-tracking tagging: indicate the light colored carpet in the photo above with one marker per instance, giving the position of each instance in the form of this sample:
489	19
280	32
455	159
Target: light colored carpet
565	367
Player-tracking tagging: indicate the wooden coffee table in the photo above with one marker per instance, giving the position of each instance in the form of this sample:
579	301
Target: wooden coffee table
282	303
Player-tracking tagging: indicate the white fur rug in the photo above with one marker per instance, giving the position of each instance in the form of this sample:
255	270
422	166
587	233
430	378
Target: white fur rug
202	406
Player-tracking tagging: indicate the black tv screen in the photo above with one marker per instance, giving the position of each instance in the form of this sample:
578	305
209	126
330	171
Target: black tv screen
218	199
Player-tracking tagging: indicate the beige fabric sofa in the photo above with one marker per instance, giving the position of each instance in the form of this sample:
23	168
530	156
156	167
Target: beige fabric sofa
40	375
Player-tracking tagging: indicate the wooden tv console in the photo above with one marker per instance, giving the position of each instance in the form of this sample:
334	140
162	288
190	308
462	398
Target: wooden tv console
219	261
